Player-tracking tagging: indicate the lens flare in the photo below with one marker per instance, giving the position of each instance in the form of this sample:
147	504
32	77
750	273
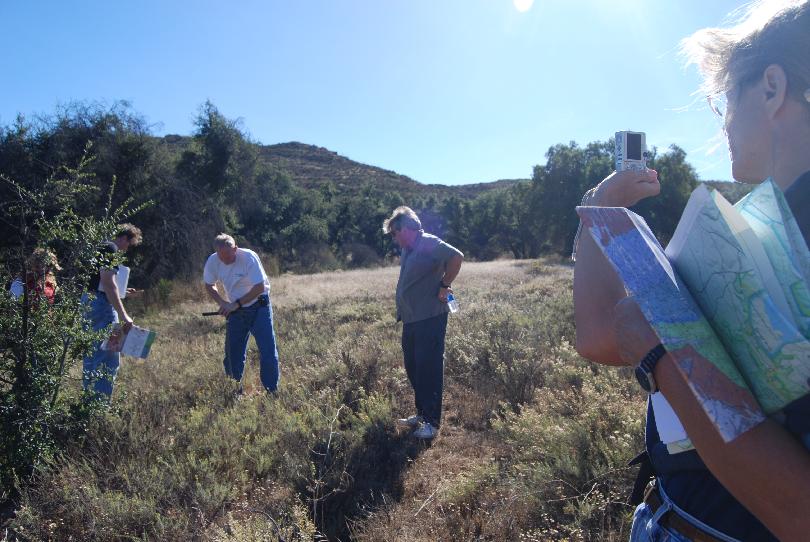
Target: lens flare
523	5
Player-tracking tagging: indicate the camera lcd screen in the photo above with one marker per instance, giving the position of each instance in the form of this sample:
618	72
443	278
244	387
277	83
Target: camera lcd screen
633	146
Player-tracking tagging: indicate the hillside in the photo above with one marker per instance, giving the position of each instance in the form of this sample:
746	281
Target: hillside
533	444
311	166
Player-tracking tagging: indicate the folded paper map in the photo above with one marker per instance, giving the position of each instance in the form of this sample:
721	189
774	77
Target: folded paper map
728	299
136	342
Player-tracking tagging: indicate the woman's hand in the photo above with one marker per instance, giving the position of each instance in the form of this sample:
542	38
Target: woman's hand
626	188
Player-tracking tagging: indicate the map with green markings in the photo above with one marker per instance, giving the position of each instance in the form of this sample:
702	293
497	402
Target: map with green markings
728	298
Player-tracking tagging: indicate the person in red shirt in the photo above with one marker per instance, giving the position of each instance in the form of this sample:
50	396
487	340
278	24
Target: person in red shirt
40	279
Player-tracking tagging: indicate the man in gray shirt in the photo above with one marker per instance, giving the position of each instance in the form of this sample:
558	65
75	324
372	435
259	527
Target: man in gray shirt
428	267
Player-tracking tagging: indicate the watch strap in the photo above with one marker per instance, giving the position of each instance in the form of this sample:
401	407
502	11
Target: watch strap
646	368
653	357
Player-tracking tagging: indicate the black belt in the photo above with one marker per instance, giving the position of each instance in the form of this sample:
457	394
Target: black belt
262	301
672	520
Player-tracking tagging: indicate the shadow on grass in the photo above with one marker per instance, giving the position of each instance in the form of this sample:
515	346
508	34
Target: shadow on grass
371	476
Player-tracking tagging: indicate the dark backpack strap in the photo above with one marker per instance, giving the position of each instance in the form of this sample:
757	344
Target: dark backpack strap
645	473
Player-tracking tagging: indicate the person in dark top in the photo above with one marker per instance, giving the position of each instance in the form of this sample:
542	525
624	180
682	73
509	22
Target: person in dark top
756	487
105	308
798	198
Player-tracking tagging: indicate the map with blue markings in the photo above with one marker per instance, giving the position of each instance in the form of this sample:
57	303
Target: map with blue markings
728	298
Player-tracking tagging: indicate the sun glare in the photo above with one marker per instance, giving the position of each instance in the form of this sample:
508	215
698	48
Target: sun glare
523	5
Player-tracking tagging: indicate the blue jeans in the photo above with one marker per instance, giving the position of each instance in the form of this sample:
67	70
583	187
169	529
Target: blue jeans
423	350
256	320
101	366
646	528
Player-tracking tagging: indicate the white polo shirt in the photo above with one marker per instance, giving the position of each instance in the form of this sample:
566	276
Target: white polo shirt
239	277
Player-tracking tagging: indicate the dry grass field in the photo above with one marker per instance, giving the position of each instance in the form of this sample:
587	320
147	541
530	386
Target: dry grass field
533	445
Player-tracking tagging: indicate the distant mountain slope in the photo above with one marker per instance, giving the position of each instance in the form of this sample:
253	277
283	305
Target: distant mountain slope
311	166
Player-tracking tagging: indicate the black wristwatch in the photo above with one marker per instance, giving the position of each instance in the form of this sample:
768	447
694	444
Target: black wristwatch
645	369
443	285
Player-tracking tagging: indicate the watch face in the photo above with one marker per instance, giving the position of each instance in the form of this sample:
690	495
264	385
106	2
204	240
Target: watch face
645	380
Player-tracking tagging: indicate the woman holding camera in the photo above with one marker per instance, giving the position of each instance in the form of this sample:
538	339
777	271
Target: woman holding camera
756	487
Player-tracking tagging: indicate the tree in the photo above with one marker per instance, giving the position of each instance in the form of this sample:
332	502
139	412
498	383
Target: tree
41	341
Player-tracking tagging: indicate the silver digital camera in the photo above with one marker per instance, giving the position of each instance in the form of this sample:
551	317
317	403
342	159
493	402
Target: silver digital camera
631	151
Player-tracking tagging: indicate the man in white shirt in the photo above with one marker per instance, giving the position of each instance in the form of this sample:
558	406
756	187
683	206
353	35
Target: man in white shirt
245	303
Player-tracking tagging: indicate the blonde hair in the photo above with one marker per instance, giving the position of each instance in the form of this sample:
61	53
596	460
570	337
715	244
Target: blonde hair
43	259
402	217
41	265
765	33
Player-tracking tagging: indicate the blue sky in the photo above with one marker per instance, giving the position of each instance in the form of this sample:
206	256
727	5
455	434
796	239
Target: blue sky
444	91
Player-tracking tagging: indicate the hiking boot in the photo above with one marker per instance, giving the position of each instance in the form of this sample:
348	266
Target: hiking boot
425	431
410	421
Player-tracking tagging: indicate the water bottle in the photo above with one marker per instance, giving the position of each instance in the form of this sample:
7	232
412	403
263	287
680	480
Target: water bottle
452	303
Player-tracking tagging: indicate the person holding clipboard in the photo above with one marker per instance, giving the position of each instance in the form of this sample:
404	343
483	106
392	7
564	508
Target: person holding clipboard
105	308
